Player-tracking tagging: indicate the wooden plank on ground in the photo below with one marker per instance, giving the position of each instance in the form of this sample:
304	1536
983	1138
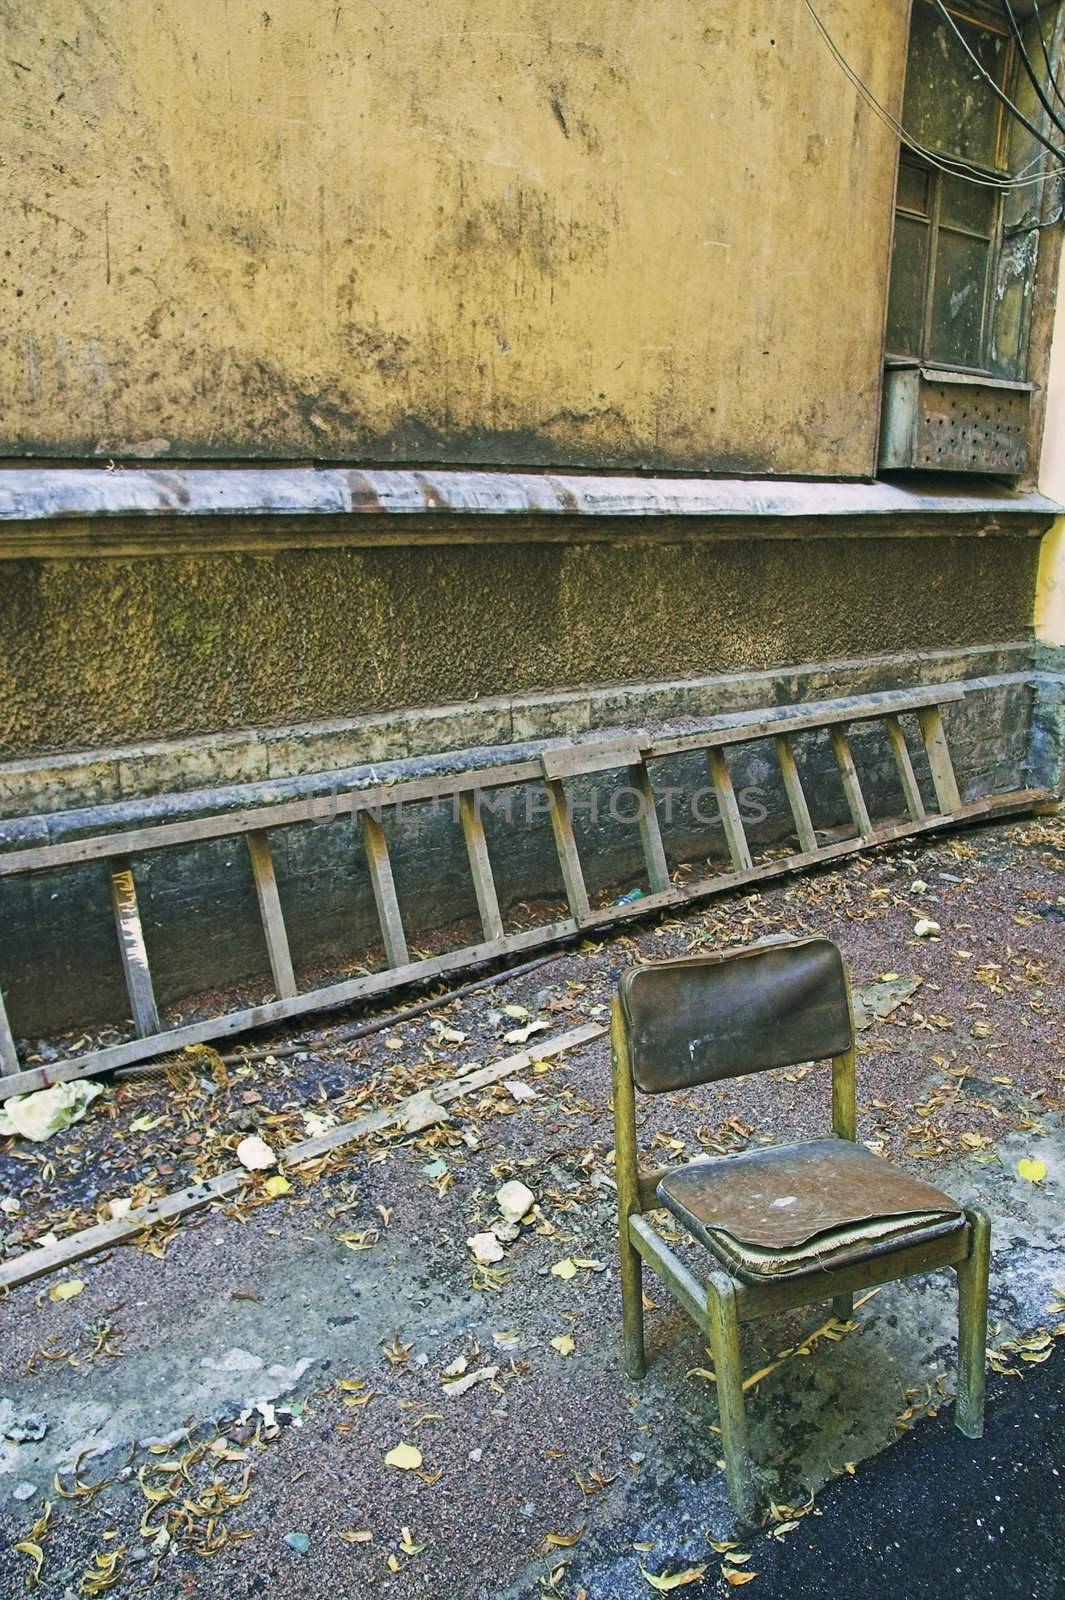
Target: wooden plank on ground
731	821
796	794
262	866
851	785
566	845
38	1262
484	886
907	777
654	851
384	890
132	949
938	752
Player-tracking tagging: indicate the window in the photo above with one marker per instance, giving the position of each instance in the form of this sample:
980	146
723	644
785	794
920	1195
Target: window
948	232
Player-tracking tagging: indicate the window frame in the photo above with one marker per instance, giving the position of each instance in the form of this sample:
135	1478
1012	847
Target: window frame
935	181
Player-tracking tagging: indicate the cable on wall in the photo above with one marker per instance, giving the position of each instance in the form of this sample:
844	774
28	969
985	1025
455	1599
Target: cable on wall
953	168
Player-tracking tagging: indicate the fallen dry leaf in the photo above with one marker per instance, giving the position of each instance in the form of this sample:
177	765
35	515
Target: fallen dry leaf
674	1580
67	1289
563	1541
404	1456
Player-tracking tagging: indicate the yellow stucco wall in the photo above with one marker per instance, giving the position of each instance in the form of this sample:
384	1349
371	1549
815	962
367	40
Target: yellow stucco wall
1050	585
469	230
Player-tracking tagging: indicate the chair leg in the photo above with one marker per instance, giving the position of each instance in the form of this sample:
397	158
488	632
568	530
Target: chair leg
843	1307
973	1274
724	1332
631	1303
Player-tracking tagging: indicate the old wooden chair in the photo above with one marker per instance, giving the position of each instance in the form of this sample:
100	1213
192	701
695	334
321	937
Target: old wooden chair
787	1225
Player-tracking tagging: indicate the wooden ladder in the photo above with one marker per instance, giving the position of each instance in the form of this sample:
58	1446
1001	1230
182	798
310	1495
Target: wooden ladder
628	753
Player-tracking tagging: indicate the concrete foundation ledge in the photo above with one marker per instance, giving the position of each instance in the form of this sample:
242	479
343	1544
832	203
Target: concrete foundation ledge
51	510
268	758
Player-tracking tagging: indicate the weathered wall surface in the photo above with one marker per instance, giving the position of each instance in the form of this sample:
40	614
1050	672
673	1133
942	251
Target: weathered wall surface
520	230
100	652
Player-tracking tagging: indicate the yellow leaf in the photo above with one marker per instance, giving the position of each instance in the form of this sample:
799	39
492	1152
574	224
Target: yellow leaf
145	1124
66	1290
675	1580
736	1578
564	1269
36	1555
564	1541
564	1344
408	1546
355	1535
720	1549
1032	1168
740	1557
404	1456
277	1185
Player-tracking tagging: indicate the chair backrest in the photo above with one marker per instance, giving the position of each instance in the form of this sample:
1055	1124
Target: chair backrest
721	1016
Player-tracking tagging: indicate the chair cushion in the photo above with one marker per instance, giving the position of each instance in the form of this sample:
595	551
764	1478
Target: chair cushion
789	1209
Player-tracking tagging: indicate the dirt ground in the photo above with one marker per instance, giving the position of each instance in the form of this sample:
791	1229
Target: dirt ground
219	1403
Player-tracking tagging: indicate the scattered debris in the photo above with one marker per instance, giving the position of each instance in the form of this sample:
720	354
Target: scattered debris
39	1115
422	1111
255	1154
30	1429
460	1385
875	1001
486	1248
514	1200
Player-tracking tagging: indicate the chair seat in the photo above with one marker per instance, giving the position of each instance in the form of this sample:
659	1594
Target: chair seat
792	1209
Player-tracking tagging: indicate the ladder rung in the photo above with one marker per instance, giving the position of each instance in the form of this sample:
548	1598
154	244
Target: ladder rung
566	845
942	768
654	851
480	864
262	866
731	821
384	890
796	794
907	777
132	948
851	786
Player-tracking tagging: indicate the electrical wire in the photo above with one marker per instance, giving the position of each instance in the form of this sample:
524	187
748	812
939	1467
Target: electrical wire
953	169
1030	72
1046	53
999	94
